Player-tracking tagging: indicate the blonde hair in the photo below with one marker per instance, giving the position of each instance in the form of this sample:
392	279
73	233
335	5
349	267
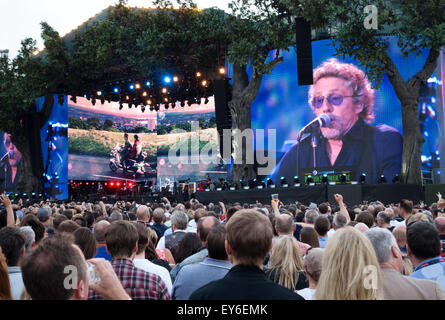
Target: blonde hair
286	261
348	258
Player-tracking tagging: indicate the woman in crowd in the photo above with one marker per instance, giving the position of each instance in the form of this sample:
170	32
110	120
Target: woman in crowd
350	268
162	257
188	246
309	236
5	287
285	265
84	238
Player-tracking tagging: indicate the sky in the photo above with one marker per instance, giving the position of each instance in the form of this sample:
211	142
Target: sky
20	19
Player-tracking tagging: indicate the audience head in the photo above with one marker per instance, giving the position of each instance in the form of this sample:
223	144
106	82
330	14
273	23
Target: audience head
68	226
284	224
143	213
366	218
49	261
322	226
439	222
286	259
158	215
121	238
383	219
188	246
423	241
339	221
84	239
43	214
116	216
216	242
347	254
58	220
30	237
361	227
399	234
99	231
12	242
249	237
313	262
386	249
5	286
143	237
310	216
309	236
405	208
179	220
205	224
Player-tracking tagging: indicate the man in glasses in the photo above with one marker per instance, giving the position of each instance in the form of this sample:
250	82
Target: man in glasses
343	93
9	165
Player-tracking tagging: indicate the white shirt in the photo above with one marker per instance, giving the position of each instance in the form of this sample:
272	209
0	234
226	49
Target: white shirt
331	233
161	242
150	267
306	293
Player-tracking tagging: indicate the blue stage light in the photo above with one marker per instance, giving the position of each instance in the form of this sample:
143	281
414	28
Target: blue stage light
167	79
116	90
148	83
131	86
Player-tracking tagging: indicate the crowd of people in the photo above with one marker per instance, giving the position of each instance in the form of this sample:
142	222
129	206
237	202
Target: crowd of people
224	251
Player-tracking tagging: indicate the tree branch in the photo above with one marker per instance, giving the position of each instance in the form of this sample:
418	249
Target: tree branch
428	68
395	78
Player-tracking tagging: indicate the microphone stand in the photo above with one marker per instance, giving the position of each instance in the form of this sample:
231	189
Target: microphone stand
314	144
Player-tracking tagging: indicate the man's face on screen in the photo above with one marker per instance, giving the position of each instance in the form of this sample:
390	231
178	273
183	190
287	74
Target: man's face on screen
344	115
15	154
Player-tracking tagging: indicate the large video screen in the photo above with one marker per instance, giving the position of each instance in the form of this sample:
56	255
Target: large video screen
187	144
106	143
364	133
9	163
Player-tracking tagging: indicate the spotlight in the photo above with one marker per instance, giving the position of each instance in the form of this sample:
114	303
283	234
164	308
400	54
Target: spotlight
363	178
137	86
175	79
198	74
116	90
99	93
165	99
396	179
127	98
270	183
149	102
324	179
283	182
167	79
204	83
310	180
222	70
296	181
144	94
164	90
382	179
131	87
148	83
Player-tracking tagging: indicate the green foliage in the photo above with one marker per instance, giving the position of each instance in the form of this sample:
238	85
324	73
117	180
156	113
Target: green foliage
87	145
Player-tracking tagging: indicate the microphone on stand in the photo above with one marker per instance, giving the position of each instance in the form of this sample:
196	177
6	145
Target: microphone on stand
321	121
7	155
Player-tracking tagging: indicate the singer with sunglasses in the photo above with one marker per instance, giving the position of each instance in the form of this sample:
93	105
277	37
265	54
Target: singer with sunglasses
9	164
342	100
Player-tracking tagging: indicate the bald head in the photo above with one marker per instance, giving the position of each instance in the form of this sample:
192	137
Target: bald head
143	214
284	224
361	227
440	224
99	230
205	224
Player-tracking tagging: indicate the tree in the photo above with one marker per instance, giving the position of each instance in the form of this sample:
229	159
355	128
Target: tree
22	80
418	25
107	124
93	123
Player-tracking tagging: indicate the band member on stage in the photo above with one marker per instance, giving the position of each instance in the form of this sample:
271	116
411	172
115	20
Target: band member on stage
125	153
9	173
342	92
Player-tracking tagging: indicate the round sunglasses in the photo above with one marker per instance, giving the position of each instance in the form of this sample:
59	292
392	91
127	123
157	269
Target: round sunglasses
334	99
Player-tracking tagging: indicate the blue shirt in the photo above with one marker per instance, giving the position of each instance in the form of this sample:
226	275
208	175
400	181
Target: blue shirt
323	241
194	276
431	269
373	150
195	258
102	253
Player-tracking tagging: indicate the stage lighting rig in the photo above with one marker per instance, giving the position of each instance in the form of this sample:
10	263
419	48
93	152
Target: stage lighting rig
363	178
283	182
396	179
324	179
296	181
343	178
270	183
382	179
310	180
252	183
